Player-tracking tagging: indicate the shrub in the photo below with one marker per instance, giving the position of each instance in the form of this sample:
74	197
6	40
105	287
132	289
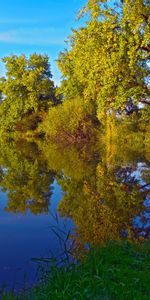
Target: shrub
70	120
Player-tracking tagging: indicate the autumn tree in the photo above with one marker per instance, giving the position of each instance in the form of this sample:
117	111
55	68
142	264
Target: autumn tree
27	87
107	62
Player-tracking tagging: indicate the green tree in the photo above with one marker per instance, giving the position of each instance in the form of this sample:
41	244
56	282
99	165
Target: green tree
107	63
27	88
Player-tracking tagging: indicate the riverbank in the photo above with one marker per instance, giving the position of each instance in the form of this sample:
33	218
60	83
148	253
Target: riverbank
118	271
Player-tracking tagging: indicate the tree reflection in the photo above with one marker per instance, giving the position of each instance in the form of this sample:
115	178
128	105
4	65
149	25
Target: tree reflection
102	188
25	178
104	185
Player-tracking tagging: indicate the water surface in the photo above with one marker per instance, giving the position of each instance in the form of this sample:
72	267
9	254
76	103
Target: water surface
94	193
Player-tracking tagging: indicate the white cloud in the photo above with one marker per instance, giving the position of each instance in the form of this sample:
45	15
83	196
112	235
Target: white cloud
10	21
34	36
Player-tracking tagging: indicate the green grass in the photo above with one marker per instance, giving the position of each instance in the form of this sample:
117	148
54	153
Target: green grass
119	271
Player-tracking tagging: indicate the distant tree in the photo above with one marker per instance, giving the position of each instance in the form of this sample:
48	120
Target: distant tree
27	88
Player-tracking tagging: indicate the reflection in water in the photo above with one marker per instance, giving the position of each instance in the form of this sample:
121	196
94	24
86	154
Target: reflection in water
105	187
102	196
26	178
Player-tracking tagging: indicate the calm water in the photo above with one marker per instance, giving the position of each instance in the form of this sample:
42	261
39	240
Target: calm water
86	196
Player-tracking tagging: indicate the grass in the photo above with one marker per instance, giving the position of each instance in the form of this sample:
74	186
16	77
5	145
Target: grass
118	271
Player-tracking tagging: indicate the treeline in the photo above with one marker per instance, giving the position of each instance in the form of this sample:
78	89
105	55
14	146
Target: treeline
105	74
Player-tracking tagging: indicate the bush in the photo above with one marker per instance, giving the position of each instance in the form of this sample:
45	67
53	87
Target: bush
70	120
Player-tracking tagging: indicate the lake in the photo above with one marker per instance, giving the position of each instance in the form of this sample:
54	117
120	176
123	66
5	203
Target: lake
55	198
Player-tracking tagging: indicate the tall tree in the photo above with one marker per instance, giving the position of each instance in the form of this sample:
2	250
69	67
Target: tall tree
108	61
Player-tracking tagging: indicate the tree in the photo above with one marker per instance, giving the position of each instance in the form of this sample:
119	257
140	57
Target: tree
107	63
27	88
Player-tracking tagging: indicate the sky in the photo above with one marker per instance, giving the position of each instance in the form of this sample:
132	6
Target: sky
41	26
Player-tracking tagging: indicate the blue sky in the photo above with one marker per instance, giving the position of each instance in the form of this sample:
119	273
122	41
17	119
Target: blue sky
40	26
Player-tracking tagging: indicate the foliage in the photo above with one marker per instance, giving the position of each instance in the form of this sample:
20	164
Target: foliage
27	88
69	121
107	63
105	72
118	271
144	126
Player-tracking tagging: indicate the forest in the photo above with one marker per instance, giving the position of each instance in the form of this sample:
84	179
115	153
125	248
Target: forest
105	79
